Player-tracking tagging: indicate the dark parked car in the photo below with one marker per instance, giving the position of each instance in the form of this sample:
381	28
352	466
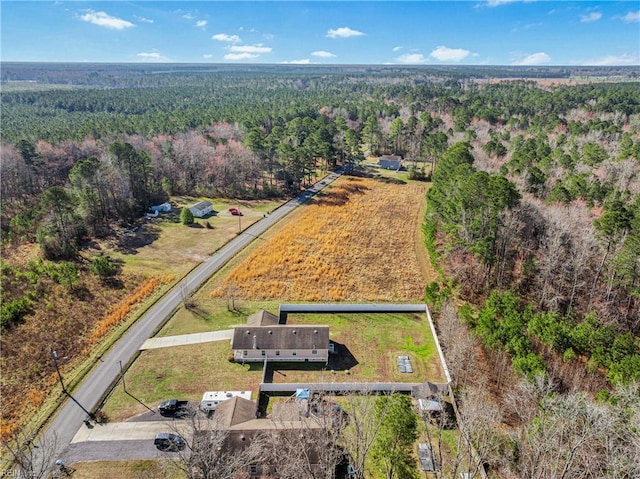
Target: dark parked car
166	441
172	407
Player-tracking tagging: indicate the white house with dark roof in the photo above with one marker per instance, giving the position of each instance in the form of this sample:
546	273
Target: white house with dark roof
390	162
201	209
279	342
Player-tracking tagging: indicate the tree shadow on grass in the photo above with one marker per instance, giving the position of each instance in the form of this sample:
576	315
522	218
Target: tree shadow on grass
372	173
129	243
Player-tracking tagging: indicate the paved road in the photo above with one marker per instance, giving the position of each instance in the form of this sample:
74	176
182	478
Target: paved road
70	417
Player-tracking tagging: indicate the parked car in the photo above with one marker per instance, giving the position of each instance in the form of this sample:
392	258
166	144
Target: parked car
172	406
166	441
235	211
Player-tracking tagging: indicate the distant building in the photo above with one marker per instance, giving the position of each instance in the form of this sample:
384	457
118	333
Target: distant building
390	162
263	338
202	209
164	207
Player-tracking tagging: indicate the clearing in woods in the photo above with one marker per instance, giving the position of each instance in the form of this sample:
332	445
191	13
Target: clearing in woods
355	242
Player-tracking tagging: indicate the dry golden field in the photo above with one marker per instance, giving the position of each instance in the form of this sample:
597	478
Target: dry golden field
356	242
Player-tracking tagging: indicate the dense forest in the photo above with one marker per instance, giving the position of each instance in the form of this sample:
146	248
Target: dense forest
533	212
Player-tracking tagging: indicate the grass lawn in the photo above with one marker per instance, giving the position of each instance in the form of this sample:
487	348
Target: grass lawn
369	346
147	469
182	372
163	245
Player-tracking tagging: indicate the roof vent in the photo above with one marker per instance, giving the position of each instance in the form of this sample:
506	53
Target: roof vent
270	332
295	332
315	331
248	332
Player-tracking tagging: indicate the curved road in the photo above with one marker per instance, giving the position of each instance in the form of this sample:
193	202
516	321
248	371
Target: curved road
92	389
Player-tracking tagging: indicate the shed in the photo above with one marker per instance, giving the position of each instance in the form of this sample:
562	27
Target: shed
163	207
427	458
201	209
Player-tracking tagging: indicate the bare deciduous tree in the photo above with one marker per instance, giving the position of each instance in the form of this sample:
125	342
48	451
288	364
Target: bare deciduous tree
214	452
31	456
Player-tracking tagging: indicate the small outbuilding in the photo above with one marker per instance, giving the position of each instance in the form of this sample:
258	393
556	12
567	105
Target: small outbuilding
164	207
201	209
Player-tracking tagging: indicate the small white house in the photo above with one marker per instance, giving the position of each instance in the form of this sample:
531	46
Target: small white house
202	209
211	399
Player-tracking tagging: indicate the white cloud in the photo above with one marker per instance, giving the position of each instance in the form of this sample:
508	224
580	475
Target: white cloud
188	16
201	23
103	19
223	37
533	59
396	49
591	17
259	48
632	17
496	3
153	56
269	36
614	60
322	54
343	32
143	19
240	56
444	54
304	61
207	55
411	58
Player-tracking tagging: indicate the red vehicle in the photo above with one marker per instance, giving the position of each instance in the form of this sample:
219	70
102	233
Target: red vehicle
235	212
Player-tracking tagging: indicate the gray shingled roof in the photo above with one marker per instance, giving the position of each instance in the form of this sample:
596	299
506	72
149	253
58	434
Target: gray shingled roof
202	205
262	318
235	411
281	337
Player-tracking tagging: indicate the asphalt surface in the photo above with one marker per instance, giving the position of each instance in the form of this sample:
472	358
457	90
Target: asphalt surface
90	392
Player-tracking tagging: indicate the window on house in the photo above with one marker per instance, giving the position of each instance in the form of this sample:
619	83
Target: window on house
277	353
314	351
264	352
253	470
294	353
244	353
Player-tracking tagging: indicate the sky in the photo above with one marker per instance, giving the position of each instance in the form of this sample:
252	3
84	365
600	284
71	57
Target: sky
482	32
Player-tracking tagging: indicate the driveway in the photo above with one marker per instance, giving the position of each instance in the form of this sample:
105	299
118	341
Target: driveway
185	339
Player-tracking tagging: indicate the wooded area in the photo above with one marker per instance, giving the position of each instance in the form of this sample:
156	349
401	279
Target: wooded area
533	213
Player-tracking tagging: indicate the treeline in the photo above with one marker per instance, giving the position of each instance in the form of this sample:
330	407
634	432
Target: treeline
546	274
534	190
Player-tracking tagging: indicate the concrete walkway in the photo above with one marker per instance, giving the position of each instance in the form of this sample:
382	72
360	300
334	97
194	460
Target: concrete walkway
186	339
126	431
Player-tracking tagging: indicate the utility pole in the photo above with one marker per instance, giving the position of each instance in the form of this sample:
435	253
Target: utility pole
54	355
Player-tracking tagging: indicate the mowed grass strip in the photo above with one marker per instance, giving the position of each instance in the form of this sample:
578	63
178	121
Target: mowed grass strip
147	469
354	242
